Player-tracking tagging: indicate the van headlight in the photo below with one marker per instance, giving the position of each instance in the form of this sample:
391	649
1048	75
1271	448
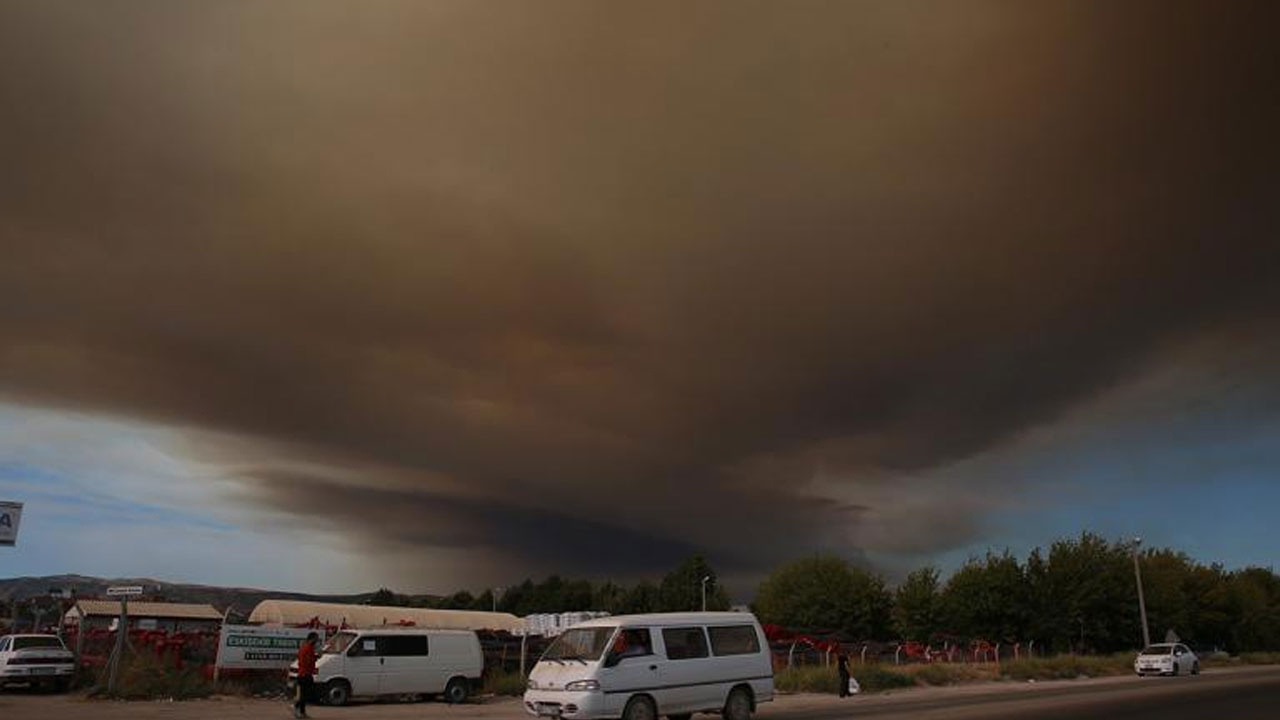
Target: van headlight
532	684
582	686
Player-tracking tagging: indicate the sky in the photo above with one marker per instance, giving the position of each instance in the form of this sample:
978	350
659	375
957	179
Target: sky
329	296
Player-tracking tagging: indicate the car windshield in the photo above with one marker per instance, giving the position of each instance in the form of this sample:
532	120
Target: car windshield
22	643
580	644
1158	650
339	643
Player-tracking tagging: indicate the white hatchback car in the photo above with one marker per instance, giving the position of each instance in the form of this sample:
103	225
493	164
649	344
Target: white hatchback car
1166	659
36	660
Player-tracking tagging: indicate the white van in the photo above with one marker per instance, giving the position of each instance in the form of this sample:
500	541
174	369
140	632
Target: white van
637	667
368	663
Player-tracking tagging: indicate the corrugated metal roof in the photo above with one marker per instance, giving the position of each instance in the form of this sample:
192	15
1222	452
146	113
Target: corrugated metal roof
295	612
176	611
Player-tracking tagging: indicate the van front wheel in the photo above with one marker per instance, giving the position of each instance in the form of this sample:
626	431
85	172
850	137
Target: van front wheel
640	708
337	693
456	691
738	706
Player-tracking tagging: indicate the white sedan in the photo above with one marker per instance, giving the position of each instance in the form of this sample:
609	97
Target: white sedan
1166	659
38	660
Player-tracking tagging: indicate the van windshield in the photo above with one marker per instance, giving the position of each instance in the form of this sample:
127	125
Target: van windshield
339	643
580	644
1158	650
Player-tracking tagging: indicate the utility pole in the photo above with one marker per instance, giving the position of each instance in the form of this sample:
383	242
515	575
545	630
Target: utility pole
117	654
1142	602
705	580
122	631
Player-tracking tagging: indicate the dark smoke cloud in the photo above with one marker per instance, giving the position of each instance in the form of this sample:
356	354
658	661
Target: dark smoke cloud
633	273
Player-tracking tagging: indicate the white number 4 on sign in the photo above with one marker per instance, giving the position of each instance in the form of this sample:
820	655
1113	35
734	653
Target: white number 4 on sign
10	514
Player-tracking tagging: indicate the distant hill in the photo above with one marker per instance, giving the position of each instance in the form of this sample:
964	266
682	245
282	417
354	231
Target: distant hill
242	600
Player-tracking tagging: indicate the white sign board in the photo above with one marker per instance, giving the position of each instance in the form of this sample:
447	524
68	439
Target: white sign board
251	647
124	591
10	514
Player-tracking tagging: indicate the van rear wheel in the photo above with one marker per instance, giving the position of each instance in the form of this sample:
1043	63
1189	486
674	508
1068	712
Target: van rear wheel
456	691
640	708
738	706
337	693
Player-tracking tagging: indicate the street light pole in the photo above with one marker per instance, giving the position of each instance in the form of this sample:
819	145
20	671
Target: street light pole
1142	603
704	592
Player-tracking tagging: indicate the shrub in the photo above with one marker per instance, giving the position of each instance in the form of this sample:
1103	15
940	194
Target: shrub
874	678
807	678
146	677
946	673
1260	658
504	683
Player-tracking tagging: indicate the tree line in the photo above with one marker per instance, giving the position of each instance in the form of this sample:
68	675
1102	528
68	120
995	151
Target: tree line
1079	595
679	590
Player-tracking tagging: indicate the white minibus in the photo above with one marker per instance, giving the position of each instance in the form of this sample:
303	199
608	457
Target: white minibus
637	667
369	663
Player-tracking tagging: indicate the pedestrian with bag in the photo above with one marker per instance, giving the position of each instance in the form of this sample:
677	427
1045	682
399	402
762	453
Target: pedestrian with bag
842	667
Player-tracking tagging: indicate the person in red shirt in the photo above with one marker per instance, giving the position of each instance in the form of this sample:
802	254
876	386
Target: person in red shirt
306	674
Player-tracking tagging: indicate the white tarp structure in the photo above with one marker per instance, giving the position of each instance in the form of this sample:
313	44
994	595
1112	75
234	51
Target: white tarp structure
299	612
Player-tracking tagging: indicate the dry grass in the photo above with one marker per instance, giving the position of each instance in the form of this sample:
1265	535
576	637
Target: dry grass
504	683
1068	667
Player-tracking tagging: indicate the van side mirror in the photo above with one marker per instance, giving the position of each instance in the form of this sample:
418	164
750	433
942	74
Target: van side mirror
612	659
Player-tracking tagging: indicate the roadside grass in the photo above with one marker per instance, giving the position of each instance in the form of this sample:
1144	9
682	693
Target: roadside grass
824	679
949	673
1260	658
874	678
1067	667
504	683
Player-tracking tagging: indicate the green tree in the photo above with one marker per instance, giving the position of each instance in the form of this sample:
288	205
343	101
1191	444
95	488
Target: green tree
643	598
825	593
609	597
916	604
987	599
484	601
681	589
387	598
461	600
1255	597
1091	600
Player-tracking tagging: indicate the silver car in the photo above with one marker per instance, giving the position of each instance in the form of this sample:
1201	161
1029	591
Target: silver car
1166	659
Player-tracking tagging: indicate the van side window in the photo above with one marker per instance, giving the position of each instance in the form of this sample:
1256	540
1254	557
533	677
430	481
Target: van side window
632	642
734	639
684	643
4	644
369	646
407	646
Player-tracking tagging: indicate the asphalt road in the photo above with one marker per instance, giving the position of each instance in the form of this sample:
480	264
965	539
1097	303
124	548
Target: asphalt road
1237	693
1218	694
